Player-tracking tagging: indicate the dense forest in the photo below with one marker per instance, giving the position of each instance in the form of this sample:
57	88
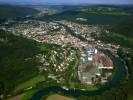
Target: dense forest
8	11
14	68
92	18
125	27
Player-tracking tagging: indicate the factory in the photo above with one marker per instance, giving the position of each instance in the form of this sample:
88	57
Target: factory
93	65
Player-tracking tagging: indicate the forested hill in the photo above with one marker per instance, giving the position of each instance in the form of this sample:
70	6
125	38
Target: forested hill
14	69
8	11
125	27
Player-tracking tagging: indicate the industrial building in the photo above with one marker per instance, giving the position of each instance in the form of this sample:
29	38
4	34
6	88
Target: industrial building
92	64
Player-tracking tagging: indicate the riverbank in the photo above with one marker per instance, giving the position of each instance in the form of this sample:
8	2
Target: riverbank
118	77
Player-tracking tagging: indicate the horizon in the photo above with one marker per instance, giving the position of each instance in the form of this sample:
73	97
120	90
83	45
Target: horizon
52	4
68	2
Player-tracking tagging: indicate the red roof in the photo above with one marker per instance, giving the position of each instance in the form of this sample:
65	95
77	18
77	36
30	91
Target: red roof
103	59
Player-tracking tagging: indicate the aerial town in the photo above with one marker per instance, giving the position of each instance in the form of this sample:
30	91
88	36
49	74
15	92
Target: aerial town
95	66
66	50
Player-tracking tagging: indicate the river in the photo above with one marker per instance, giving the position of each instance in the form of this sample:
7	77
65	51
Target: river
120	73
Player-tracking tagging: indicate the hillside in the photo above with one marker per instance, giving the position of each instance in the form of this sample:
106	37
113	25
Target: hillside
93	16
7	11
125	27
25	63
13	64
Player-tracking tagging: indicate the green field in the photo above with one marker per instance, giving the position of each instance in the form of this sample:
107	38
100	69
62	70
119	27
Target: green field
28	95
105	10
24	96
130	96
30	83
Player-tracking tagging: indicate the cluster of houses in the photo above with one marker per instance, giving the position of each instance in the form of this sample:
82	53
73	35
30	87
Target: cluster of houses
61	39
40	31
81	29
31	28
57	61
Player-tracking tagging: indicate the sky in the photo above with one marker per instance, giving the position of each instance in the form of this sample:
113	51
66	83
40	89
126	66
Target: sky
67	1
